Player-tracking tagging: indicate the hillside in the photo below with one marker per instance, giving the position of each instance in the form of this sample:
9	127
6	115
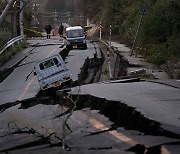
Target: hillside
61	5
159	35
42	5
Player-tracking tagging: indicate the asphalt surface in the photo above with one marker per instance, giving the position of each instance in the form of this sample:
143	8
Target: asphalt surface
88	130
155	101
76	59
22	84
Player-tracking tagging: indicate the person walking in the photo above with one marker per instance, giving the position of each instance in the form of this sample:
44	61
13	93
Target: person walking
61	30
48	29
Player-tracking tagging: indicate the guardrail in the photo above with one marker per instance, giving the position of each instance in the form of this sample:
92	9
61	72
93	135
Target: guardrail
11	43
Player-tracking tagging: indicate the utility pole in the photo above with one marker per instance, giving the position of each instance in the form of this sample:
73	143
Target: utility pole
81	20
14	22
143	11
35	8
100	31
110	35
6	10
55	15
21	16
87	22
69	19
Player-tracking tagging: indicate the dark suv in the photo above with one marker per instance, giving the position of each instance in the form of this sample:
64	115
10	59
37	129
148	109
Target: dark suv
75	37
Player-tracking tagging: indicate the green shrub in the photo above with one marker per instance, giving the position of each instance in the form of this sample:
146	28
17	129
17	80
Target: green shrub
4	37
161	53
6	55
159	35
157	55
173	47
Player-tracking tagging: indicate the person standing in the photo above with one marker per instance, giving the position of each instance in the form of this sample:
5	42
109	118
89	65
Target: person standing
61	30
48	29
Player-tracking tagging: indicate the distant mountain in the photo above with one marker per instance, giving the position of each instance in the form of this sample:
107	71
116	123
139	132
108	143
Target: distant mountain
42	5
62	5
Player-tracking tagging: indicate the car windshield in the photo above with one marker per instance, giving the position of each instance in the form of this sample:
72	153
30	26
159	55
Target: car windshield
48	63
75	33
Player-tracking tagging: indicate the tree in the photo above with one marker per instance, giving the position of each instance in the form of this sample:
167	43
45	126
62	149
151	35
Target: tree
160	24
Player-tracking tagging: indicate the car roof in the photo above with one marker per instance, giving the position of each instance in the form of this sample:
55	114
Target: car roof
73	28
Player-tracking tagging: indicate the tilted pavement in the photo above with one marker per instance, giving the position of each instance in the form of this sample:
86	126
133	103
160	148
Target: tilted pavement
33	42
140	61
157	102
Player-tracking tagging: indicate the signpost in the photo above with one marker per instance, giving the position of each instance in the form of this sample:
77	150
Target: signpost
100	31
110	35
143	10
21	16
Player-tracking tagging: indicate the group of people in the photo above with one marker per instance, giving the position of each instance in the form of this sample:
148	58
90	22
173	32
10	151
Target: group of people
48	30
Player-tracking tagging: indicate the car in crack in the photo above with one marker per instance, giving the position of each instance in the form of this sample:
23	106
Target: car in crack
75	38
52	72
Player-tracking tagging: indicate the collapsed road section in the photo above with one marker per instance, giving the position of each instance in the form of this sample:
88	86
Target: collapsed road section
123	115
77	121
101	117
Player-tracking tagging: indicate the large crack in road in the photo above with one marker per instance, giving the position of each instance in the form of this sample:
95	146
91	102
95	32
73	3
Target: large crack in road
120	114
123	116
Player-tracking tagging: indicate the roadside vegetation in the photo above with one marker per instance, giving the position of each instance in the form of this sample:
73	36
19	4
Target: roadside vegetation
6	33
6	55
5	36
5	29
159	36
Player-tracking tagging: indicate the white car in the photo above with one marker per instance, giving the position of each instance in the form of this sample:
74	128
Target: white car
52	72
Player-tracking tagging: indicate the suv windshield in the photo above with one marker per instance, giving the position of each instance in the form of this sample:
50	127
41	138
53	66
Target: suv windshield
75	33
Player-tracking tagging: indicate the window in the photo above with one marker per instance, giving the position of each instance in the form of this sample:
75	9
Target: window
75	33
46	64
41	66
55	61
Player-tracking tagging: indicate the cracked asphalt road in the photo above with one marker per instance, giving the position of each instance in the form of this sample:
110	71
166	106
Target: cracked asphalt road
35	129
